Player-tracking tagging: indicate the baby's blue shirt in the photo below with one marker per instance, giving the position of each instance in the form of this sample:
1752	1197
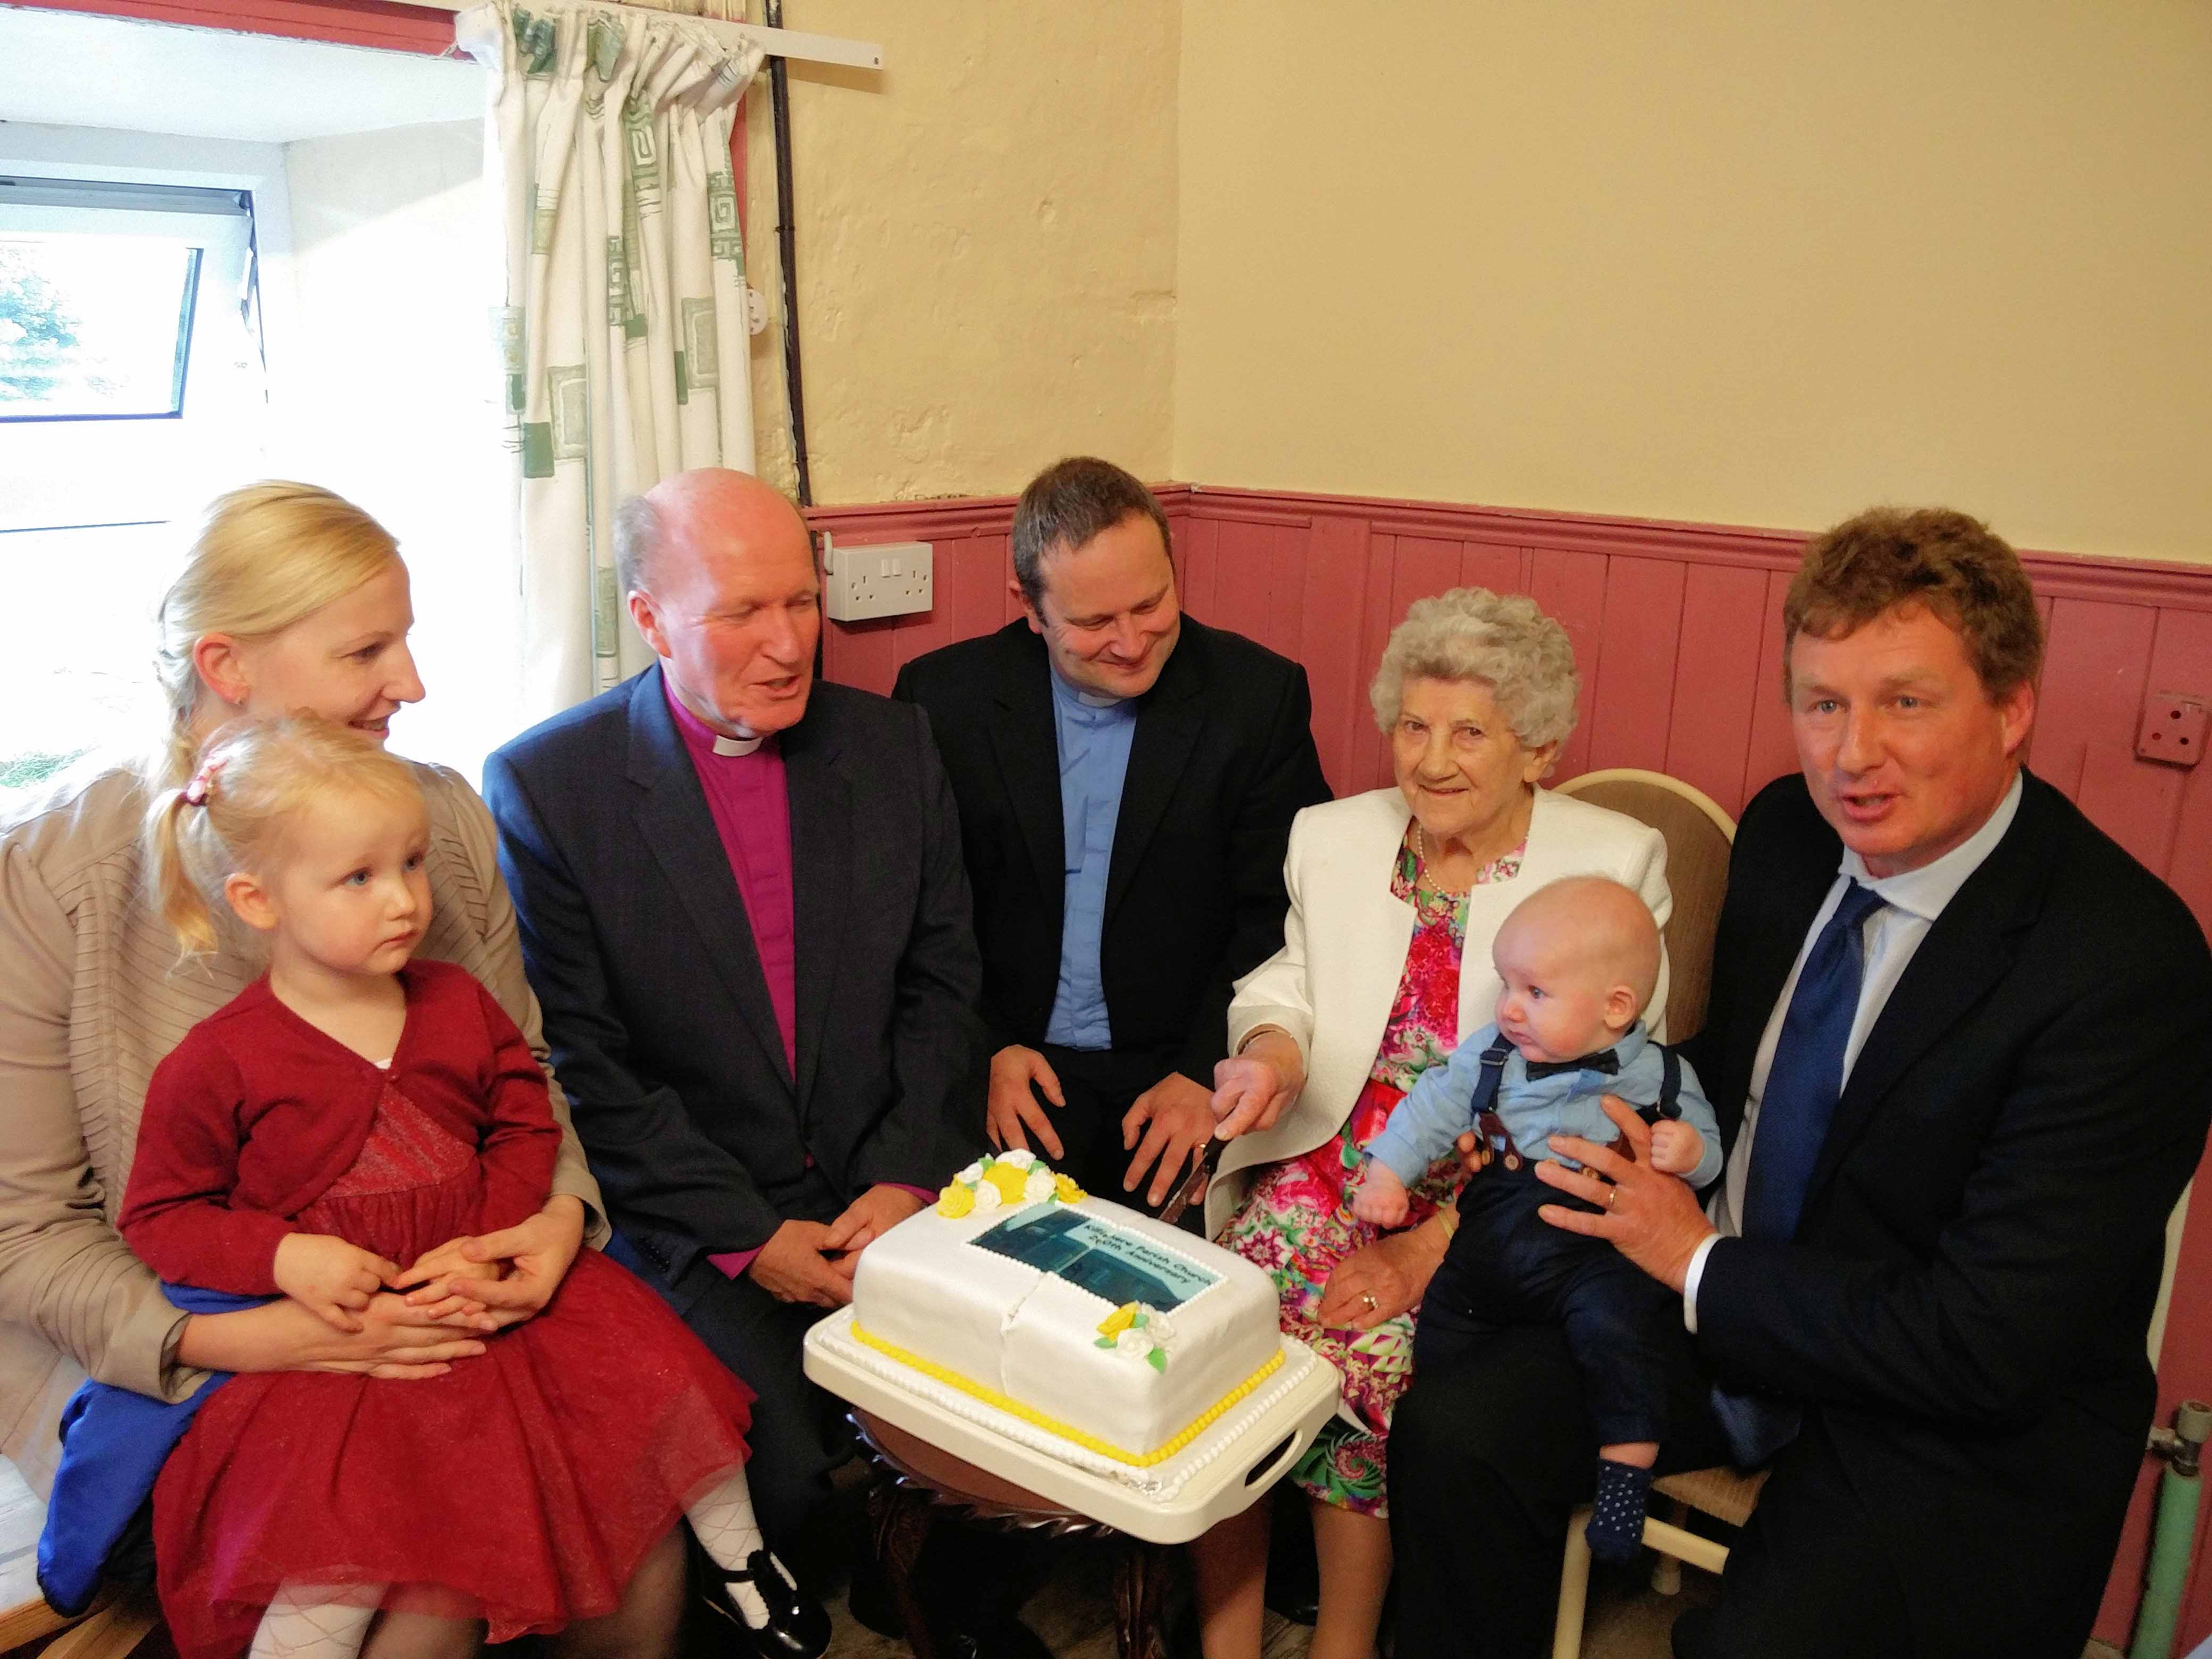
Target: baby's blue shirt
1436	1111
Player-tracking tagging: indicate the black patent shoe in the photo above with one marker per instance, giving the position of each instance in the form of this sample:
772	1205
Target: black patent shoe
798	1626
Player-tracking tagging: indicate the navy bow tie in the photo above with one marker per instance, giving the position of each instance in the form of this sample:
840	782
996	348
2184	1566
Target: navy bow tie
1604	1060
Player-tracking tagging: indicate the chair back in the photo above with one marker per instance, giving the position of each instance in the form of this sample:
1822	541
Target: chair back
1699	836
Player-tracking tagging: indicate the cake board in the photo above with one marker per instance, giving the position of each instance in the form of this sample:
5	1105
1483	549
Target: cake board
1224	1472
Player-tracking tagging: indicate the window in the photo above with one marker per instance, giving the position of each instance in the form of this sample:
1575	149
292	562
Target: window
98	287
129	375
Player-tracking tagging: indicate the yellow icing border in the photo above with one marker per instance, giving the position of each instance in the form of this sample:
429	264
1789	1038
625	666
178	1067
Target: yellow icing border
931	1368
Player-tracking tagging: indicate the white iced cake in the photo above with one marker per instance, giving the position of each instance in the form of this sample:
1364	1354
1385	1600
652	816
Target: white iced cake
1082	1318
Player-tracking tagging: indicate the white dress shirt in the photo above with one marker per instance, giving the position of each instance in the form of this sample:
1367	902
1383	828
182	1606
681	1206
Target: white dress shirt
1911	904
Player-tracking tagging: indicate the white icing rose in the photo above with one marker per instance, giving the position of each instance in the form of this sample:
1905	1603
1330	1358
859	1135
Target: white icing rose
1158	1326
986	1196
1133	1342
971	1175
1021	1157
1038	1188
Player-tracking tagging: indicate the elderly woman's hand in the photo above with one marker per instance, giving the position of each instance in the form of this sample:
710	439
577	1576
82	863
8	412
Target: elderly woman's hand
1382	1280
1253	1087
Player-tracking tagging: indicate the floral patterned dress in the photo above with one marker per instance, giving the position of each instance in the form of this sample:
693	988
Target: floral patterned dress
1297	1224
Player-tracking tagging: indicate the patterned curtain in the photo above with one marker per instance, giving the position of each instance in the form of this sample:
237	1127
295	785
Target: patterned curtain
623	331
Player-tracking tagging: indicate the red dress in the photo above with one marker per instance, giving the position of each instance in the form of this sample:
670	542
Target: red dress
523	1487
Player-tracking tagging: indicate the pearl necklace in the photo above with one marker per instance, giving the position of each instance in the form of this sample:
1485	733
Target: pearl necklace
1421	859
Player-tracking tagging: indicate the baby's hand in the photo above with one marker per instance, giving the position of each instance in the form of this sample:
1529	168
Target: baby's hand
333	1279
1379	1199
1676	1146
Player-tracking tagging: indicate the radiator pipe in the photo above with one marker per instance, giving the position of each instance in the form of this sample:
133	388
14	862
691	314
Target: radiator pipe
786	243
2173	1530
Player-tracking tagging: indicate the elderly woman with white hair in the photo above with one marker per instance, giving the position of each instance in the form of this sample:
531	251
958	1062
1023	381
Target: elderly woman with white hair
1394	897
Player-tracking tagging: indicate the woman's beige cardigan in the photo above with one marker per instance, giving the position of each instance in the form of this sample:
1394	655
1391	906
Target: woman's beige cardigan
91	999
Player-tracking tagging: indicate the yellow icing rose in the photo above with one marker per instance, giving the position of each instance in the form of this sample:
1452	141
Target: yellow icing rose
1118	1321
1065	1189
956	1201
1009	1179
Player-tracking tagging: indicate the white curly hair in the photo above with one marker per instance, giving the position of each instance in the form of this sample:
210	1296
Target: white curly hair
1501	641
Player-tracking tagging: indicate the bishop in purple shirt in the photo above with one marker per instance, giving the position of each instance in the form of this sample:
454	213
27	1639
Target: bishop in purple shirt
744	911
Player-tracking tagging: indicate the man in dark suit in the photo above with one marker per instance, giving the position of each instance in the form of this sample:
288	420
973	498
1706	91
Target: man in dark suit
1952	1041
1127	779
742	910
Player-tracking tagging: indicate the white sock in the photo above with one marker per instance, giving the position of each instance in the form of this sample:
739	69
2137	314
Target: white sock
723	1522
316	1621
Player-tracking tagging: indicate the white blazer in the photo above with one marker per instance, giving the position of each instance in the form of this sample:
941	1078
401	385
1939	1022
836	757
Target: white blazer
1333	983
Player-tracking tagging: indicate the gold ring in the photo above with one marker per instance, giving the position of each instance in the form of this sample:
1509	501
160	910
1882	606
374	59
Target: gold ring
1612	1196
1368	1297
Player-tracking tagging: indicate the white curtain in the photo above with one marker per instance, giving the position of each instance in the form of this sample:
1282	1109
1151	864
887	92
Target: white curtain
623	334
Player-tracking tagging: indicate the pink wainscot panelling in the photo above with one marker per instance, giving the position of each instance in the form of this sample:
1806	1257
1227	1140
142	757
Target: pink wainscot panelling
1677	630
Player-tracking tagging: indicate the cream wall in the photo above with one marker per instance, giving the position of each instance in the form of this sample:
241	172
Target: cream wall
987	245
1749	261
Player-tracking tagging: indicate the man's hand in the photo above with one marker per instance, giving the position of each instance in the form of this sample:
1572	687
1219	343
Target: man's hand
793	1266
1014	1112
331	1278
1175	1117
1650	1218
867	1218
1475	1153
533	1257
1380	1281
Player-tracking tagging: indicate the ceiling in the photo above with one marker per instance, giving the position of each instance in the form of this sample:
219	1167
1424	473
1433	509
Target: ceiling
158	78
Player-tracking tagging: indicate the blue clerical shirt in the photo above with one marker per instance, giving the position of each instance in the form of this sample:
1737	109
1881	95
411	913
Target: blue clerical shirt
1094	732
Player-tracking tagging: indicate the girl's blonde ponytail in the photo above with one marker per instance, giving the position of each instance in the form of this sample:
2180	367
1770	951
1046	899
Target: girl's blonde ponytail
253	777
177	896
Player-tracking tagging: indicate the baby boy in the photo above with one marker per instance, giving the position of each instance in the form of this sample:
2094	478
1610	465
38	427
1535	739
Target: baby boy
1578	959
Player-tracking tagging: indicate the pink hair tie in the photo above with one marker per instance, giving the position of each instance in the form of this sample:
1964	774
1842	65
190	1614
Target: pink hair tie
196	792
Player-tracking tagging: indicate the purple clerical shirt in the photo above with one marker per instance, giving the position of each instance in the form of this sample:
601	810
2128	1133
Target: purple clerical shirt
751	804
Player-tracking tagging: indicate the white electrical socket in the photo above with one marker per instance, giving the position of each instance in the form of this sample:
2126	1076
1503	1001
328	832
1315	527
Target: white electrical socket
889	579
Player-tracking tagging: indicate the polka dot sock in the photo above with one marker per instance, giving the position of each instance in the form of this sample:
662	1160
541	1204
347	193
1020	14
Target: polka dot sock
1616	1523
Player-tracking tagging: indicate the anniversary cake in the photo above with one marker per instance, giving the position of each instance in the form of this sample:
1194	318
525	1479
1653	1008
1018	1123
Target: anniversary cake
1121	1340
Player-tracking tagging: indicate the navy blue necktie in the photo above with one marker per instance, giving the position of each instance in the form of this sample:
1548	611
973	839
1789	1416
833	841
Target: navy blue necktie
1807	1077
1803	1084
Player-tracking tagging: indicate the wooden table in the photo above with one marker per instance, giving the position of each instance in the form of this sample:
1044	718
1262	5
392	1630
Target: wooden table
915	1482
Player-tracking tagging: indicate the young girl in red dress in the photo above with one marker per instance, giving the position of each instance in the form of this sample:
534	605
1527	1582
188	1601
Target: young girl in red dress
342	1127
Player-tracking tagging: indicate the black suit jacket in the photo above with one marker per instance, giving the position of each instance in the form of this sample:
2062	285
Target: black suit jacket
656	1008
1964	1307
1222	760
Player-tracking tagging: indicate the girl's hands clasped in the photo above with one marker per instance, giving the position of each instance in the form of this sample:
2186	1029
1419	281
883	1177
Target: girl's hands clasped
332	1279
510	1274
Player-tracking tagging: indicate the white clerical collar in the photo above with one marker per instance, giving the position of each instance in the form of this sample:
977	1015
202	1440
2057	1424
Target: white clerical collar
736	745
1083	694
1926	890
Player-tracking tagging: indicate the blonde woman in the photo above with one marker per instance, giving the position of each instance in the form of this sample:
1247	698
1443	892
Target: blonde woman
290	600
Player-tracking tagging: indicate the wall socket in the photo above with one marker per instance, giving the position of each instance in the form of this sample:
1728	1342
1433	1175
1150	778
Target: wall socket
887	579
2172	728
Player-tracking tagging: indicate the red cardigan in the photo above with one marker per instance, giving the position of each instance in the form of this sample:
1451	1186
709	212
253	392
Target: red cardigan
256	1113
